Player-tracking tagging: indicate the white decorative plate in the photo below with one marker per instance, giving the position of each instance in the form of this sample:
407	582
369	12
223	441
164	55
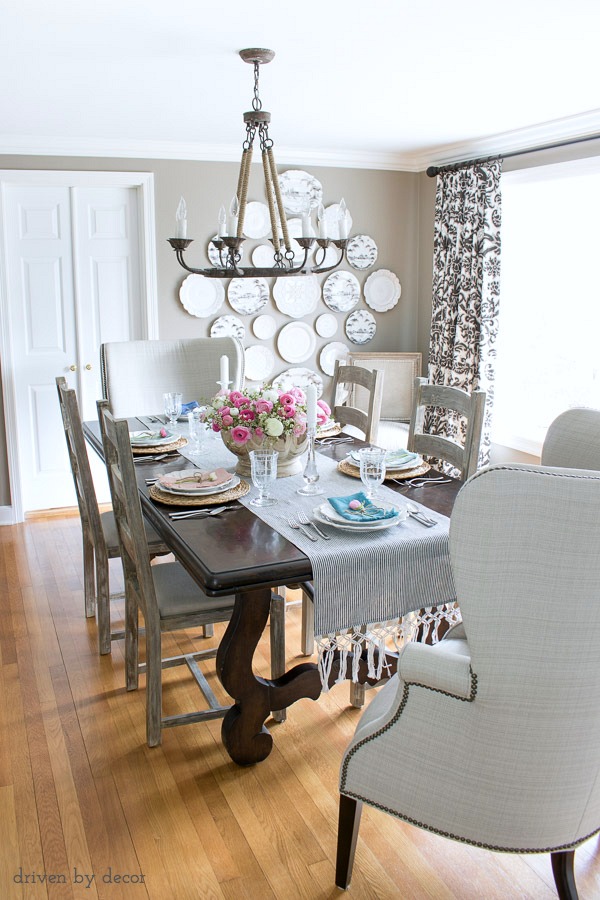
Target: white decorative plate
326	325
296	342
263	256
228	326
213	253
341	291
257	222
326	515
201	296
247	295
329	354
298	377
264	327
298	189
297	296
200	492
150	438
382	290
360	326
361	251
259	362
332	221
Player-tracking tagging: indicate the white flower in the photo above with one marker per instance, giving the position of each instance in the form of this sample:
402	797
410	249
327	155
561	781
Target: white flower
273	427
234	411
273	396
218	402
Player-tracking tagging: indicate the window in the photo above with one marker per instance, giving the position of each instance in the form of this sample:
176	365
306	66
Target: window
548	354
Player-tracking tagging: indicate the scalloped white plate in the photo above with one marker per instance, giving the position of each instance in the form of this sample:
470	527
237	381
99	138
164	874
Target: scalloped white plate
329	354
201	296
297	296
259	362
257	222
298	189
382	290
247	295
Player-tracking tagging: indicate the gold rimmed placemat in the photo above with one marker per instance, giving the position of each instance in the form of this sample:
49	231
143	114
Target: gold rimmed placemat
234	493
159	448
348	469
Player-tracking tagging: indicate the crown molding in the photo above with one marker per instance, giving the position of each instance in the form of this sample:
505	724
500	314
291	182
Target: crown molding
585	125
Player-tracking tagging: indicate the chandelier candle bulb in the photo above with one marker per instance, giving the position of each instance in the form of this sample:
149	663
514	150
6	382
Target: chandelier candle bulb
322	222
232	219
222	232
342	221
311	407
181	220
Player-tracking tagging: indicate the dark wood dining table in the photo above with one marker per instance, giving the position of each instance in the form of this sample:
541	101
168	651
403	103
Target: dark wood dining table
239	554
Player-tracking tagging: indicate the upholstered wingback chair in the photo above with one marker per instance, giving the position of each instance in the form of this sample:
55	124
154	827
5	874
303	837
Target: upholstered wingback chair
492	736
573	439
136	374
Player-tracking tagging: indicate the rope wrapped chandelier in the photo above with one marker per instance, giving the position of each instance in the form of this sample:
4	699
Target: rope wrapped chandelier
231	228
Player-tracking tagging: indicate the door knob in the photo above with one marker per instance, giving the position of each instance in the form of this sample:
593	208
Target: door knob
89	367
73	368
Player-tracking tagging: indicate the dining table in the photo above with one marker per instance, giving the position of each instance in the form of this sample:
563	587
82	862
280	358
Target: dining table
242	554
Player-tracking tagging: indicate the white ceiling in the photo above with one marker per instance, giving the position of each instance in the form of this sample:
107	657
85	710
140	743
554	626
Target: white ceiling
375	83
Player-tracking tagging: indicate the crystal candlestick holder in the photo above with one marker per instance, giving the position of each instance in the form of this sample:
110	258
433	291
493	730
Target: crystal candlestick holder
311	474
224	386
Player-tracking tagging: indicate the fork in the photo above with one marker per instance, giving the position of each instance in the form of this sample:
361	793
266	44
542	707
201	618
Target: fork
298	527
199	513
304	520
420	516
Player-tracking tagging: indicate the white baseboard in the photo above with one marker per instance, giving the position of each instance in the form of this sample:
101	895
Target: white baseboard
7	516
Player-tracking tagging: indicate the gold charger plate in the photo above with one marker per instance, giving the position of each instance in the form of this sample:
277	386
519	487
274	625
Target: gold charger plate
159	448
211	500
348	469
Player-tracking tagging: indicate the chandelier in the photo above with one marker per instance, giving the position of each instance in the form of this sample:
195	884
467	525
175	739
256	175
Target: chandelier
229	240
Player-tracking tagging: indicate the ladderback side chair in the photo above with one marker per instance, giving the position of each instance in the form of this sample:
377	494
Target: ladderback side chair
99	531
364	419
461	456
573	440
136	374
166	596
491	736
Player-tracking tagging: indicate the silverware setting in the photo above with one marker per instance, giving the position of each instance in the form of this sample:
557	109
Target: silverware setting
199	513
304	520
420	481
326	442
420	516
152	458
298	527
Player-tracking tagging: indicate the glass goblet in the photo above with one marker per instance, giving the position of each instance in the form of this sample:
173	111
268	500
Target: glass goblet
263	466
196	429
173	404
372	469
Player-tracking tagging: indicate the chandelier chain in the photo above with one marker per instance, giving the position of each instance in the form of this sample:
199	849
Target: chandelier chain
256	103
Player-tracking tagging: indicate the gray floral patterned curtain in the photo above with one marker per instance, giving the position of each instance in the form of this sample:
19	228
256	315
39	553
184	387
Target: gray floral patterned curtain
466	286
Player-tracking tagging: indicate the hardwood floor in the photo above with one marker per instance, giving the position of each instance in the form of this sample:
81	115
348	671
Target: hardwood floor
84	801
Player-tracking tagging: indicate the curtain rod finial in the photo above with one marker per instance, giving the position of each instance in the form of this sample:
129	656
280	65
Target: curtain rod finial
432	171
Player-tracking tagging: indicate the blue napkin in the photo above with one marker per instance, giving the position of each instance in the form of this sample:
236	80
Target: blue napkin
188	407
370	512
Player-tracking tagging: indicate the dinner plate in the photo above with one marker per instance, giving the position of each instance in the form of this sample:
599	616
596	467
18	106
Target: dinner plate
298	377
297	297
201	296
259	362
354	460
382	290
151	438
264	327
341	291
257	222
360	326
263	256
329	354
228	326
326	325
296	342
247	295
326	515
199	491
214	257
361	251
299	190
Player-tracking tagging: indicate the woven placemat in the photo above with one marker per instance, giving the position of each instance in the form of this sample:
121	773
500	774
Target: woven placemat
348	469
211	500
330	431
161	448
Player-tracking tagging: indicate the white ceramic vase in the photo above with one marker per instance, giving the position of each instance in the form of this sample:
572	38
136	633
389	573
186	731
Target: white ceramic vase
290	449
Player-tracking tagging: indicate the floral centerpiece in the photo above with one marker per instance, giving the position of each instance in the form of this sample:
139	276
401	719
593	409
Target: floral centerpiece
265	418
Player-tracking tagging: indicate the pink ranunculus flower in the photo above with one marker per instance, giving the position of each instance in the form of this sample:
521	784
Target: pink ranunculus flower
263	406
240	434
321	417
324	406
286	398
299	428
224	410
244	401
234	398
247	415
227	421
258	432
298	394
289	410
216	426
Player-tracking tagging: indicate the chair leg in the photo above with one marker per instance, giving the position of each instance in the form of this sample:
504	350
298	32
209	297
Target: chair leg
277	619
132	672
563	869
153	687
357	695
208	631
308	625
103	604
89	577
348	824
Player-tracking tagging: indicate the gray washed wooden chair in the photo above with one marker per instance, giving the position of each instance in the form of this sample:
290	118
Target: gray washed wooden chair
99	531
573	440
461	455
366	417
491	736
136	374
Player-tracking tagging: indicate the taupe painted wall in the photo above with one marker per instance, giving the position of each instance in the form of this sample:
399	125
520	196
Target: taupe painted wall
384	205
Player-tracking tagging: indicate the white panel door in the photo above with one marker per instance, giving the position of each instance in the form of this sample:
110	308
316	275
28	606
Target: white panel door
73	278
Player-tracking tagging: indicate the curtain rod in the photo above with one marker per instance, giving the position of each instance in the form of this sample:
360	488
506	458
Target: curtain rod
432	171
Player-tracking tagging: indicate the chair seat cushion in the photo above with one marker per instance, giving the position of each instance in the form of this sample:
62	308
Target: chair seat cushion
109	527
178	594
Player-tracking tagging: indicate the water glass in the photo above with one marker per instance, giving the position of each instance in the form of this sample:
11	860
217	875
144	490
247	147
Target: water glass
263	466
173	404
372	469
196	430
